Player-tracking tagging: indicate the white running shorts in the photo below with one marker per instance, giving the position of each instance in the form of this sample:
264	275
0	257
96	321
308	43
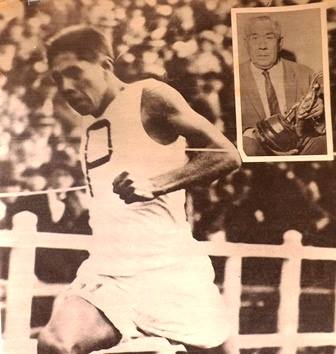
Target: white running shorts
180	303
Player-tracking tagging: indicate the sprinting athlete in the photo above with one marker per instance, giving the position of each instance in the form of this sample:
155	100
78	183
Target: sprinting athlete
145	275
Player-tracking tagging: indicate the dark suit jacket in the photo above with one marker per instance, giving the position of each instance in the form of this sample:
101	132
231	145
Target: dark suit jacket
297	78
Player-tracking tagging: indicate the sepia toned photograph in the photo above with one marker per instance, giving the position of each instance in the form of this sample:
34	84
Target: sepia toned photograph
282	84
130	219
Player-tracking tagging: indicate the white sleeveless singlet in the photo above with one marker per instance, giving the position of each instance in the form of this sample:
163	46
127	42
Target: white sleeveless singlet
131	237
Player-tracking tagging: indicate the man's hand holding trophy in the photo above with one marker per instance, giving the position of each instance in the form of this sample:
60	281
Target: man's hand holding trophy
283	134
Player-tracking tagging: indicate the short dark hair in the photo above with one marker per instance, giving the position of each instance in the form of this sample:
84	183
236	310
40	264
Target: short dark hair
86	42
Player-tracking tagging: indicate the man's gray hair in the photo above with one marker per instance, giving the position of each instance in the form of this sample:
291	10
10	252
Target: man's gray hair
263	18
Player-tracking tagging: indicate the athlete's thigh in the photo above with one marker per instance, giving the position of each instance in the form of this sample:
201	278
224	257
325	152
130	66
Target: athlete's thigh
76	322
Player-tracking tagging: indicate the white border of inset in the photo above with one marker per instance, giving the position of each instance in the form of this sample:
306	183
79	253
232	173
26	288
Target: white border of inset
326	82
329	4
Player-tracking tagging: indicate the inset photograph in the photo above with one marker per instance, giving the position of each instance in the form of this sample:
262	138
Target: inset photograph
282	90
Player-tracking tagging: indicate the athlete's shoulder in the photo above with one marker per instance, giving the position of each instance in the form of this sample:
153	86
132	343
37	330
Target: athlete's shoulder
157	108
161	93
159	87
151	83
160	97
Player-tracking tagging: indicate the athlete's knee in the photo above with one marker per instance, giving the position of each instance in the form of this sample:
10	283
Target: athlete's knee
45	344
98	331
77	327
48	343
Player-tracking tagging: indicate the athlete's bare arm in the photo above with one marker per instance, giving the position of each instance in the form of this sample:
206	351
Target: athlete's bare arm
165	116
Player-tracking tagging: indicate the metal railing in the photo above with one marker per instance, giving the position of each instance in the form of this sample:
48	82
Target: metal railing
22	285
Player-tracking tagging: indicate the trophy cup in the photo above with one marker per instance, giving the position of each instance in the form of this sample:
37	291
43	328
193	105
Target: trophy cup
282	134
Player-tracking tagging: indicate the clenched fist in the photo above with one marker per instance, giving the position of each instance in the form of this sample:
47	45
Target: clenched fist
131	189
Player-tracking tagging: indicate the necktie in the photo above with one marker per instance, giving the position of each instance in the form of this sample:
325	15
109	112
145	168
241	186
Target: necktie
271	95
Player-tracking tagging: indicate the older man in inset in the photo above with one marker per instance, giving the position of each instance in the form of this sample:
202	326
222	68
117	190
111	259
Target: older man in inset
270	84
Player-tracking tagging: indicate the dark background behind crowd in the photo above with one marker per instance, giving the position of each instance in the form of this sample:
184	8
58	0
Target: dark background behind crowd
188	44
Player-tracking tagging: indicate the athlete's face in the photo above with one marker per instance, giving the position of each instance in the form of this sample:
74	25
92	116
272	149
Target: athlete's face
82	83
263	44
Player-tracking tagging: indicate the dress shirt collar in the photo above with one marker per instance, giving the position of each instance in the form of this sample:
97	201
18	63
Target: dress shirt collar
276	70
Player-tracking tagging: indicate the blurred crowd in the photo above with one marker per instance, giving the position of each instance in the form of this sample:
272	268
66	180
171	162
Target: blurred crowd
187	43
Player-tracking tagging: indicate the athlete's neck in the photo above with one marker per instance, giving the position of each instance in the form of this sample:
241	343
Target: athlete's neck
115	86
